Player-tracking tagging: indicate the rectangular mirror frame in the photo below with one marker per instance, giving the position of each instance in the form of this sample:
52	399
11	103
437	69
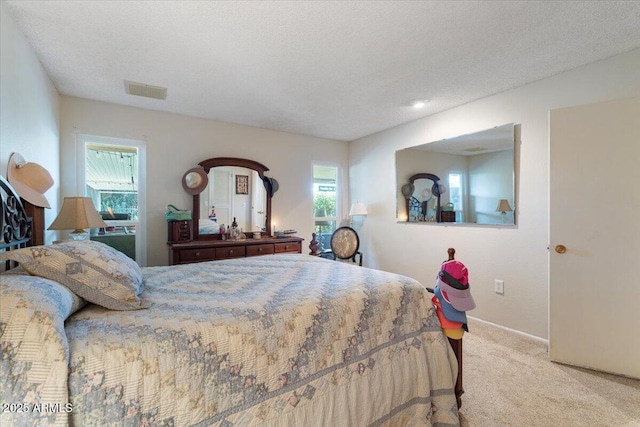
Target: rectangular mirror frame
484	162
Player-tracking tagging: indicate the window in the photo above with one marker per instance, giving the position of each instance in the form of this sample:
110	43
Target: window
111	172
326	206
111	180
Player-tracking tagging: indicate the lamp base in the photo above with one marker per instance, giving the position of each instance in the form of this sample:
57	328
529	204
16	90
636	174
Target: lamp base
79	234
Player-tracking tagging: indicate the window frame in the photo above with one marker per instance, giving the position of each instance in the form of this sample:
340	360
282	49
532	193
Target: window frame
338	193
459	208
85	140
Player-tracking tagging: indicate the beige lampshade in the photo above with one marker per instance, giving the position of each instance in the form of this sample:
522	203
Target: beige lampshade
77	213
358	209
503	206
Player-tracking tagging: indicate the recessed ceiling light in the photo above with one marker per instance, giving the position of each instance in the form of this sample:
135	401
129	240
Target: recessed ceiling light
419	103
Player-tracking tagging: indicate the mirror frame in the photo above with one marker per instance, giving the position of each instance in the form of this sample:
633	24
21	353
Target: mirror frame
515	150
231	161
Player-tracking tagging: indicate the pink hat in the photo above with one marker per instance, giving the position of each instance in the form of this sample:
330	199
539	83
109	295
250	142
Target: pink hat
453	281
457	270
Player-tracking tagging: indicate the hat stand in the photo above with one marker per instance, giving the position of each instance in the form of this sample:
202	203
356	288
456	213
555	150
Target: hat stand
457	348
452	254
456	345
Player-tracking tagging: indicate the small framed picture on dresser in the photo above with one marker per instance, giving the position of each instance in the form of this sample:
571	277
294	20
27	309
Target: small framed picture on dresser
242	184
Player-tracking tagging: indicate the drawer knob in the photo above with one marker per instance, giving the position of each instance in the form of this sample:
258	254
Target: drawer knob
286	247
259	249
197	254
230	251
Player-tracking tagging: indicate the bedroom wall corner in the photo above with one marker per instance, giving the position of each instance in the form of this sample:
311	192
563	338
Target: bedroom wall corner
30	111
517	255
175	143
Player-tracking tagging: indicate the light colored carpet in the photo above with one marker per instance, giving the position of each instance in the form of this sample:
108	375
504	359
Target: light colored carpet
509	381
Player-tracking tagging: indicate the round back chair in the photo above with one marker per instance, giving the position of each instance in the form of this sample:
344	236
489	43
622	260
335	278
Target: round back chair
345	244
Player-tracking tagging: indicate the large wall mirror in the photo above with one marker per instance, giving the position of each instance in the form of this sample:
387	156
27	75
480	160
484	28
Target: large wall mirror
469	179
237	189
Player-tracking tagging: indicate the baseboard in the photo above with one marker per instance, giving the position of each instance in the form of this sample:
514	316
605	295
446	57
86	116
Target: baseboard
513	331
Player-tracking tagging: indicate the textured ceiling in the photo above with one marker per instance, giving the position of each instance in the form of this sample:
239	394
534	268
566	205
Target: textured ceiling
339	70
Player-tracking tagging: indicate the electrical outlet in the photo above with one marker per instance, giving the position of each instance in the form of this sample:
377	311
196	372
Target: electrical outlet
499	287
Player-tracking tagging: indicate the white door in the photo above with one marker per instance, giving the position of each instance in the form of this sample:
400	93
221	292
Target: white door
594	305
220	184
258	203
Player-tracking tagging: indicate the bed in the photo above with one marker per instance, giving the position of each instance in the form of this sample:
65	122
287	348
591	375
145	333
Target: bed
279	340
208	226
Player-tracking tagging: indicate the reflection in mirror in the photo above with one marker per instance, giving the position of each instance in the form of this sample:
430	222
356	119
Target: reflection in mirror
422	194
238	190
233	193
477	174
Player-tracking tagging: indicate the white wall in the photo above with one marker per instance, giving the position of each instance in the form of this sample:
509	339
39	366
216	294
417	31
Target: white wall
176	143
29	113
490	179
516	255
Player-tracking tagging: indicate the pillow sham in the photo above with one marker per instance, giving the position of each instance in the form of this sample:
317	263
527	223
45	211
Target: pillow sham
77	302
38	292
92	270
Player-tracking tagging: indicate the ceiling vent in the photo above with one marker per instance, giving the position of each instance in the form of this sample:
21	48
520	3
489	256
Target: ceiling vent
148	91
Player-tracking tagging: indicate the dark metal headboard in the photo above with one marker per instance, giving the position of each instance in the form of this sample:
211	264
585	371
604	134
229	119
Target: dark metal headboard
16	227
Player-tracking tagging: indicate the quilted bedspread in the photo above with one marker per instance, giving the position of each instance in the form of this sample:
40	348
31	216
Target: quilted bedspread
278	340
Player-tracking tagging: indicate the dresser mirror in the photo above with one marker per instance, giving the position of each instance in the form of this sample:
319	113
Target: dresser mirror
422	197
469	179
237	189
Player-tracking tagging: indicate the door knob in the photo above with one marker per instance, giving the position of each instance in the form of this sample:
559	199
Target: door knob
561	249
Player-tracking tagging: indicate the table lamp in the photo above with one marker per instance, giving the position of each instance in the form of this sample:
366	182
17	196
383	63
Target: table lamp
357	208
77	213
503	206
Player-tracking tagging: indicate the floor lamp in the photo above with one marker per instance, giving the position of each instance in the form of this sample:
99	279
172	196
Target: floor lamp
357	209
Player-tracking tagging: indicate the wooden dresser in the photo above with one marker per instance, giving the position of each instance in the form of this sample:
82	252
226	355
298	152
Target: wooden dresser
447	216
212	250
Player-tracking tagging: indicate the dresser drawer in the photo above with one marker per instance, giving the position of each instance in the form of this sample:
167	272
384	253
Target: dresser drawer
288	247
230	252
260	250
197	255
217	249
